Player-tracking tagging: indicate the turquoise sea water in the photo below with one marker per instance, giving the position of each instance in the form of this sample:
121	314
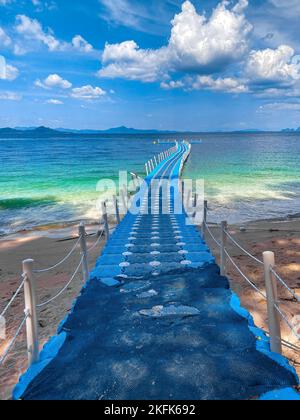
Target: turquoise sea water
247	176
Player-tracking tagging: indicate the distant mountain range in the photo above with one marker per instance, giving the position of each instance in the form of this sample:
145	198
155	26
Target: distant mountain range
291	130
45	132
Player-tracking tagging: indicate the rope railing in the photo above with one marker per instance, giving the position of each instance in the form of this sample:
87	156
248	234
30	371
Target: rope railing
284	342
211	234
244	276
287	322
16	294
100	236
242	248
158	159
45	270
283	283
14	339
28	281
41	305
275	314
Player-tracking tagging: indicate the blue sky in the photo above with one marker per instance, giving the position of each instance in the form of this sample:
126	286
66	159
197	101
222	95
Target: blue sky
165	64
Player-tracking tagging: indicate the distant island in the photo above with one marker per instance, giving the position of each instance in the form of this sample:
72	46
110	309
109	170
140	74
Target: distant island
45	132
291	130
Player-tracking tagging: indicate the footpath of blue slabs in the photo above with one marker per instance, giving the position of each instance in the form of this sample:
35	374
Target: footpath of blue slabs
157	321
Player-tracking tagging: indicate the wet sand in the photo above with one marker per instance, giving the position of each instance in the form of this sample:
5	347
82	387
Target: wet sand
47	247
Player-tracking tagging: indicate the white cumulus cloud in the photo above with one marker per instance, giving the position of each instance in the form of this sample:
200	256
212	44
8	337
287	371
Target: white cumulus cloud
273	65
88	93
226	84
80	44
5	40
32	30
197	44
54	102
53	81
7	71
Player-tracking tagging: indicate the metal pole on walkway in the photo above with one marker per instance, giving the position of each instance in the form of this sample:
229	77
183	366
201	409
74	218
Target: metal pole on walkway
84	252
272	300
117	210
105	219
223	264
30	309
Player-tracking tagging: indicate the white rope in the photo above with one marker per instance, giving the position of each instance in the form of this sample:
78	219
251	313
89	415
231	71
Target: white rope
13	298
13	341
64	289
284	318
244	276
211	234
61	262
285	343
97	242
241	248
285	285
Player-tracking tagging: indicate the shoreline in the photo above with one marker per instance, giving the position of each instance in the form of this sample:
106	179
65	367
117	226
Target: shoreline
65	225
47	246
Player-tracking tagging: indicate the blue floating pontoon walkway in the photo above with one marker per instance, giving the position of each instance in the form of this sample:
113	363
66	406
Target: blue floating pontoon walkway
157	321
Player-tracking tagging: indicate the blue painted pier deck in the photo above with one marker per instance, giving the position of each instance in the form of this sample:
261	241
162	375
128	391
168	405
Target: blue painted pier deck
157	321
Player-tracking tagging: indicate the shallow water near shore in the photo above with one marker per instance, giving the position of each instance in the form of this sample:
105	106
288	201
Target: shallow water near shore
45	181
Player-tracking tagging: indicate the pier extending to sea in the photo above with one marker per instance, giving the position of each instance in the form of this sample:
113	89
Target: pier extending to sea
156	318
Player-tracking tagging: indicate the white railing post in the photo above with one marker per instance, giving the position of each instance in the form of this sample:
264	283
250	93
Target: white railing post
155	160
272	300
204	219
223	264
84	252
30	310
117	210
152	164
105	219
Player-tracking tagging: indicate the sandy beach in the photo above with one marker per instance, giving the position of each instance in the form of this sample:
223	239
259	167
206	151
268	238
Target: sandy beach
283	238
47	247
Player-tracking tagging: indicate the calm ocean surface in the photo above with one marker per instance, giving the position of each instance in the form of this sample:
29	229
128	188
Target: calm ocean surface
247	176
